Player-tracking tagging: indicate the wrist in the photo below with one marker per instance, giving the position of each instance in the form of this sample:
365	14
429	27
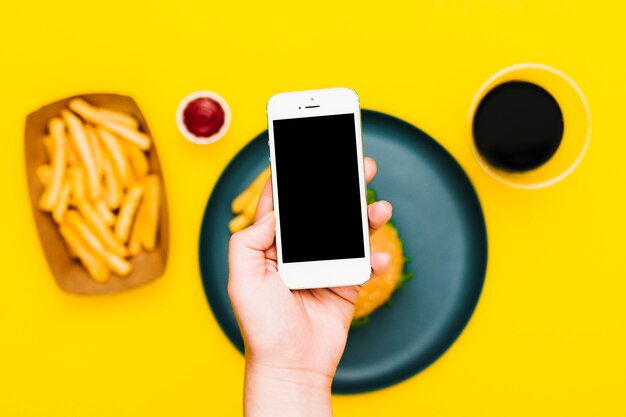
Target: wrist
280	391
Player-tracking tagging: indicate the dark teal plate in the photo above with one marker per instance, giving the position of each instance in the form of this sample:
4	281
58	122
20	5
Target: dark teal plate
439	217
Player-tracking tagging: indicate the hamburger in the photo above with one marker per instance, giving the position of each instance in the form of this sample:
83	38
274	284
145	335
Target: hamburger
379	289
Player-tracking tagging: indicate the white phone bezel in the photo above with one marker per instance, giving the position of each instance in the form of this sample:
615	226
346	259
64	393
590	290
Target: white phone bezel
330	273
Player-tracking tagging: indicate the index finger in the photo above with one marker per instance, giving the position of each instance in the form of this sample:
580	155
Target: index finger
266	203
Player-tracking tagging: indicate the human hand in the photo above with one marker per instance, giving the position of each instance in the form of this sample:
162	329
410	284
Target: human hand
293	339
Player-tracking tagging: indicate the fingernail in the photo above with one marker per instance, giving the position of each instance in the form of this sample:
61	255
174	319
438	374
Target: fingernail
383	256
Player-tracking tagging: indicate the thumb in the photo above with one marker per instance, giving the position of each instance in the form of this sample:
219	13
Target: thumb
248	246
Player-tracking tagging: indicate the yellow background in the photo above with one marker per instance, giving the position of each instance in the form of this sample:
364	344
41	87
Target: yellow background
549	334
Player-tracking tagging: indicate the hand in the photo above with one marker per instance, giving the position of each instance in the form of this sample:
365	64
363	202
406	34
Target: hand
293	339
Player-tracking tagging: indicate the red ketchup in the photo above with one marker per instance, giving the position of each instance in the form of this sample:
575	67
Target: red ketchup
203	117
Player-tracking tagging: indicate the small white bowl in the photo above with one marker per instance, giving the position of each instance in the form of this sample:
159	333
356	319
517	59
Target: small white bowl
200	140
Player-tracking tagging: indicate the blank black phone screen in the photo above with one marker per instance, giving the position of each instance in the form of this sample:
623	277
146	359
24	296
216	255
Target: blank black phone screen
317	179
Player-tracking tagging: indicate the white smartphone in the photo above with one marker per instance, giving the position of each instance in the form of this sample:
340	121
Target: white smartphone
316	158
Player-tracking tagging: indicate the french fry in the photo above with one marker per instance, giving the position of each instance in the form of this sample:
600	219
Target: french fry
52	191
91	114
95	266
245	204
137	235
240	202
85	110
138	161
118	265
150	215
59	210
48	147
134	136
72	159
116	152
85	153
102	231
238	223
97	150
146	221
87	236
127	212
77	184
105	214
44	172
132	179
134	242
112	185
250	210
119	117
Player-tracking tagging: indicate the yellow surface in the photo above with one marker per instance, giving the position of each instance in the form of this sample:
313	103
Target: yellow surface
549	334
